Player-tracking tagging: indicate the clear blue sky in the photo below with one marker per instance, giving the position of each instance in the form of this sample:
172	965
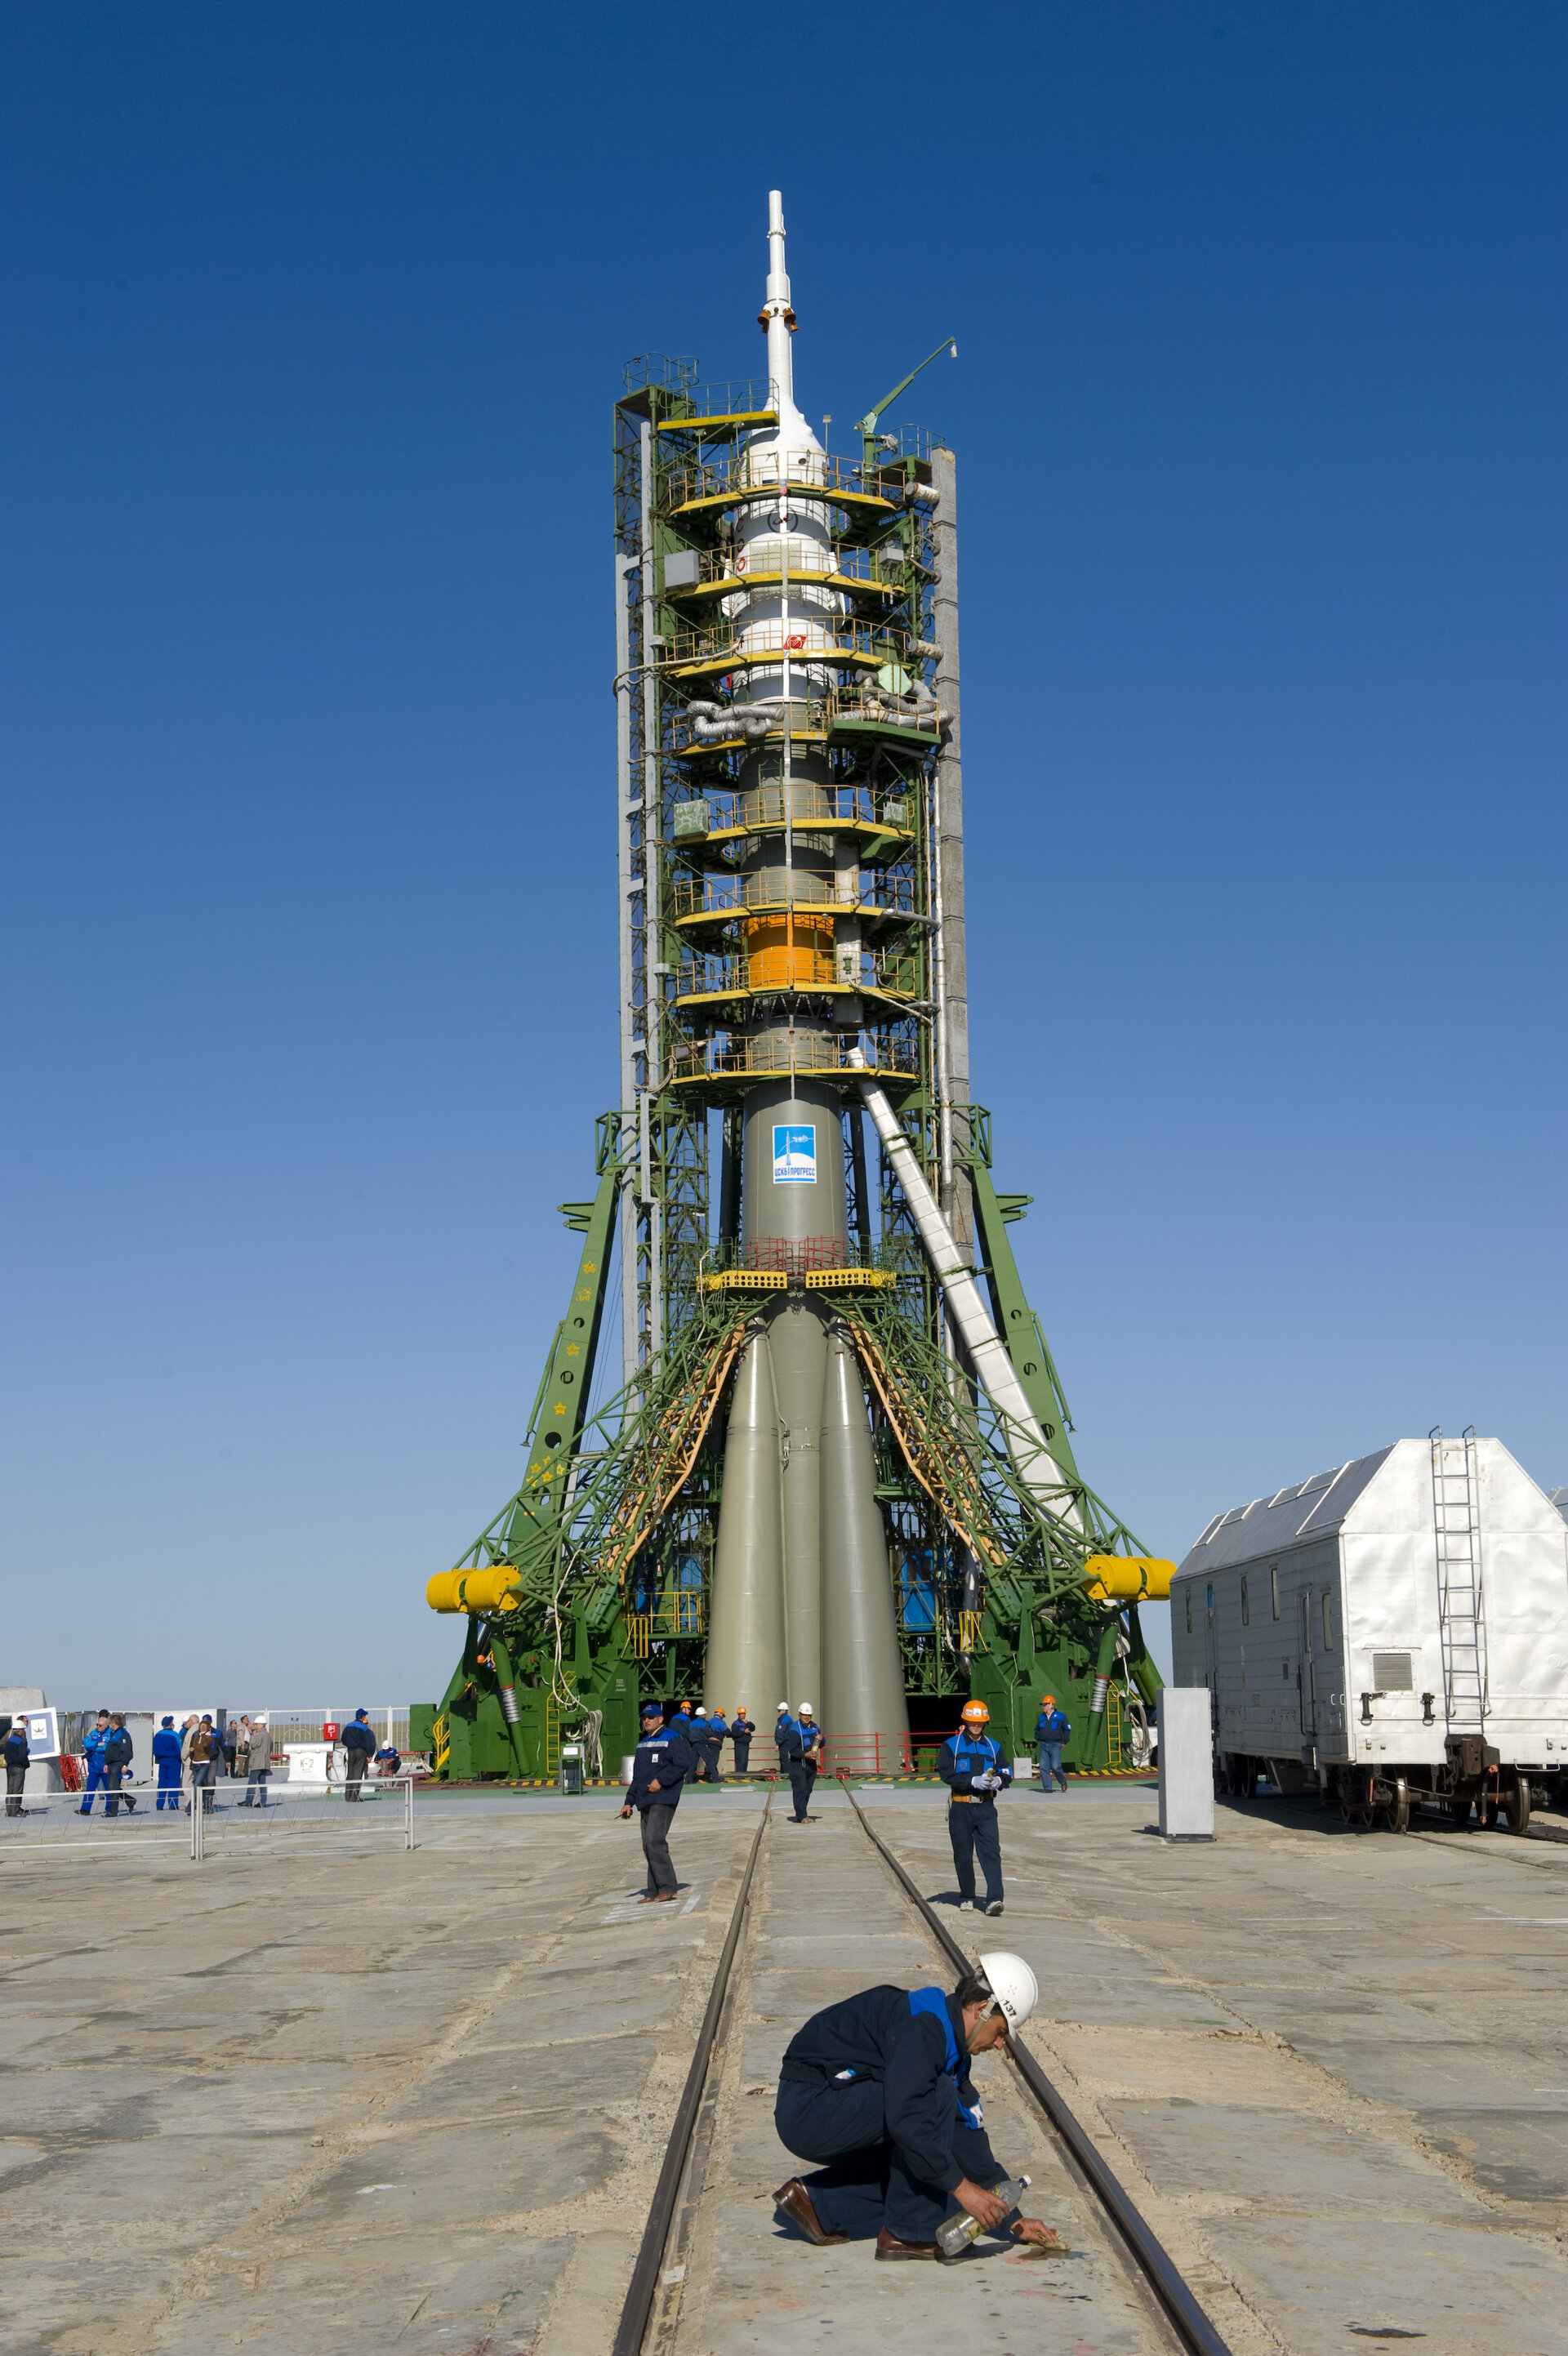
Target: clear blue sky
313	319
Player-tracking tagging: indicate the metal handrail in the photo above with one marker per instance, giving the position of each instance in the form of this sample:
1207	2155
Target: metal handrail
812	1052
891	894
811	638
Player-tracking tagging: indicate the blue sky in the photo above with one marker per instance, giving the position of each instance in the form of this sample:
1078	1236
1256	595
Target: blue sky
315	317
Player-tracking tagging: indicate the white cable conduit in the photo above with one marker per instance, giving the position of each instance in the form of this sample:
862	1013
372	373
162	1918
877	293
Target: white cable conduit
1032	1460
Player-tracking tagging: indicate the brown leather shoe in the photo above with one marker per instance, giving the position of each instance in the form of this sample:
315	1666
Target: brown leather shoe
888	2245
796	2204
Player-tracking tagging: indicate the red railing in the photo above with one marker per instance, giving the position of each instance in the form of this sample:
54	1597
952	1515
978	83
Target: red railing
883	1754
796	1259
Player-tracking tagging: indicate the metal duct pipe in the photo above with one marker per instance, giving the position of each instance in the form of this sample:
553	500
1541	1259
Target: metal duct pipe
710	721
1032	1458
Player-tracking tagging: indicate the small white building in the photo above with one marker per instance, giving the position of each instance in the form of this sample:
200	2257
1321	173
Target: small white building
1395	1627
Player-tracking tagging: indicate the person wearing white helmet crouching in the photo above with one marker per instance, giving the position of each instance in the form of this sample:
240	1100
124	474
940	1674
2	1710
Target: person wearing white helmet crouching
876	2093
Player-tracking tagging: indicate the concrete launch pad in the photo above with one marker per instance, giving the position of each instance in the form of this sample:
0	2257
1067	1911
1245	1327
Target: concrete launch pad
325	2089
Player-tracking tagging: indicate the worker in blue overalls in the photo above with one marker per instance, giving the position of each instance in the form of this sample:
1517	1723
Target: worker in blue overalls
662	1763
784	1731
166	1760
92	1744
876	2092
741	1729
1052	1728
718	1728
17	1760
972	1766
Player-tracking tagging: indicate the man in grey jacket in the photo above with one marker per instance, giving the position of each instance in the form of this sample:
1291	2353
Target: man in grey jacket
253	1759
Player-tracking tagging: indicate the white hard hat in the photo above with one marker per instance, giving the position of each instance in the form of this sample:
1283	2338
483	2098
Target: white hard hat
1014	1986
783	1704
805	1709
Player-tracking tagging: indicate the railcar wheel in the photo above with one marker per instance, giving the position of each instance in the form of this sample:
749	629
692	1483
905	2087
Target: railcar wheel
1394	1811
1516	1806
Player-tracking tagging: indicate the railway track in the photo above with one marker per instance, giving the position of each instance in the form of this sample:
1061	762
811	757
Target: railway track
649	2319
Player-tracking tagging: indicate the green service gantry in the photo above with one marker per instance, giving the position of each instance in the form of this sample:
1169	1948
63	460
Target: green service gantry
592	1585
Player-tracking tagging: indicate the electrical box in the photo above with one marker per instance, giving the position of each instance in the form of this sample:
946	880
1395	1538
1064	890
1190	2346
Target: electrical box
682	570
1187	1765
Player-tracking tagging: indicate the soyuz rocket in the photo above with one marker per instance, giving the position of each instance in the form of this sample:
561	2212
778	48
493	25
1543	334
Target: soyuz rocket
802	1605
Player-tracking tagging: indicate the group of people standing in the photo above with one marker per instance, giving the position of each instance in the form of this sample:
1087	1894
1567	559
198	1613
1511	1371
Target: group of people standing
705	1732
188	1760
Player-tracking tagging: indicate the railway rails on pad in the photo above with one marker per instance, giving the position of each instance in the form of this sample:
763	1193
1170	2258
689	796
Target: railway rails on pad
713	2275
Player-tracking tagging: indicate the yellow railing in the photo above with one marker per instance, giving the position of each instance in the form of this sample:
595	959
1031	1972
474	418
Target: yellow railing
681	1612
725	895
888	969
970	1636
808	638
812	1051
441	1742
752	471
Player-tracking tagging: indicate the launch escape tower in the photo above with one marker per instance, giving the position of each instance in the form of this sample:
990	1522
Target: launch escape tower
836	1467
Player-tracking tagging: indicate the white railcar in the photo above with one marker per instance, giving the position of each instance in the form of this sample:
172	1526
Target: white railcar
1391	1629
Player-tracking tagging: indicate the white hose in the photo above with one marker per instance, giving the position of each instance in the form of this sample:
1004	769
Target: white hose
1036	1466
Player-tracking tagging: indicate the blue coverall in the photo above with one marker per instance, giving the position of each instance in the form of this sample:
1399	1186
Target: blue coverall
972	1815
93	1743
877	2091
1051	1731
167	1759
663	1758
718	1726
797	1743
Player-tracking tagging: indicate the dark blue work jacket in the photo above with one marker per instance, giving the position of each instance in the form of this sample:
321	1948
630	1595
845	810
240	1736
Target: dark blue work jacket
166	1751
1051	1726
665	1758
911	2041
16	1751
967	1756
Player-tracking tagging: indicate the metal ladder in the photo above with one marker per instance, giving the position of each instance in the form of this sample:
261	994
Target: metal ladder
1457	1521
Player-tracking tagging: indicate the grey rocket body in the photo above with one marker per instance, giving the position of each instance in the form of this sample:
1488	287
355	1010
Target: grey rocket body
802	1600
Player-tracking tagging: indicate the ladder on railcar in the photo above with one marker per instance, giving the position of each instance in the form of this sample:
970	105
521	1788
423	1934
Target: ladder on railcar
1457	1523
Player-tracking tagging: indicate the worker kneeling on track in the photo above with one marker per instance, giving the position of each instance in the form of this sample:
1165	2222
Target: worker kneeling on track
877	2091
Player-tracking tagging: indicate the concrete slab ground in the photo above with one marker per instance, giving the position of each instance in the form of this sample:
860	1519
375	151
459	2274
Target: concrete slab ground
1329	2066
319	2092
311	2093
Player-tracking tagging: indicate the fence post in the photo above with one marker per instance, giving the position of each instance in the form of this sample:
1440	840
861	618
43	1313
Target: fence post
408	1818
198	1849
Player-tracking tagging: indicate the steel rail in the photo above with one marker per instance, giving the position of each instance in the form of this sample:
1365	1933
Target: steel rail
1189	2320
637	2313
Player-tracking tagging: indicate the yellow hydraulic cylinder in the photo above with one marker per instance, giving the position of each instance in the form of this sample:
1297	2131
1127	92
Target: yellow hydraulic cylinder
492	1586
1129	1578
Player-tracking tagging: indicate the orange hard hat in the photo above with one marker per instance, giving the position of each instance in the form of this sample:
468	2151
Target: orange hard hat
975	1713
1048	1700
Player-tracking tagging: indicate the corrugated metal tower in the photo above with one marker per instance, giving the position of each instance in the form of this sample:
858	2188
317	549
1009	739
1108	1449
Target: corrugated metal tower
837	1468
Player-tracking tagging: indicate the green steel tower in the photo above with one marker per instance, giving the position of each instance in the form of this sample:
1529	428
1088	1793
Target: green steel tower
836	1465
